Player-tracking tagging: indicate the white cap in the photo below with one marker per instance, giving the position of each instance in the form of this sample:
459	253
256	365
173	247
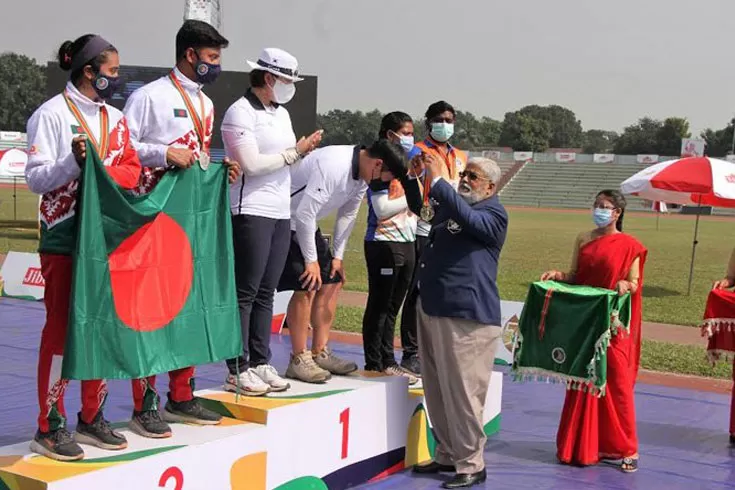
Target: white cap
277	62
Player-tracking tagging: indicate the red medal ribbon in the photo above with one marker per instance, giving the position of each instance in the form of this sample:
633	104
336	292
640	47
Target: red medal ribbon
196	119
104	144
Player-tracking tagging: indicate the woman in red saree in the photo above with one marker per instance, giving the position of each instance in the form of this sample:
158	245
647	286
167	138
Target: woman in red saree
593	428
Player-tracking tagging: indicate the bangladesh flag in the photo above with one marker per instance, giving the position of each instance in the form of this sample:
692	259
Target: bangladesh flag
153	286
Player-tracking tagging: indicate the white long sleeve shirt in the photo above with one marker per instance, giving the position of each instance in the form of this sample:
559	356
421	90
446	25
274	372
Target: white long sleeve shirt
258	138
158	119
326	180
52	169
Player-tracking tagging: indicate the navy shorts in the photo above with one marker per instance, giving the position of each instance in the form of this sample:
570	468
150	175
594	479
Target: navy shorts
295	264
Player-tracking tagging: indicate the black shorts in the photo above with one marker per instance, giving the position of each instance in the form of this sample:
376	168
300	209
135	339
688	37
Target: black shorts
295	265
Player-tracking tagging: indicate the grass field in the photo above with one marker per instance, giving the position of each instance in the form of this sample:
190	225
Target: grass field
537	240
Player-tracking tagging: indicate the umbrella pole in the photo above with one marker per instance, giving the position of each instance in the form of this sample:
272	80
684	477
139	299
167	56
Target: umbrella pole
694	250
658	217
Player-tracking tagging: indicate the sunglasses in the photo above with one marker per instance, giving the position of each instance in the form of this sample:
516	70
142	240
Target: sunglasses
471	176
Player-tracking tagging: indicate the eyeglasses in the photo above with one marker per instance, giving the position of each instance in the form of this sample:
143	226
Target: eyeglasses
471	176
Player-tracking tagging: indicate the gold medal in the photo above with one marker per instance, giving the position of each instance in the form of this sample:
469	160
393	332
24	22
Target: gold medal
204	160
427	213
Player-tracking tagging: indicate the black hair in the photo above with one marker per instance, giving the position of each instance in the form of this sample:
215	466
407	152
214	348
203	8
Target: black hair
438	108
618	200
198	34
393	156
69	49
393	121
257	78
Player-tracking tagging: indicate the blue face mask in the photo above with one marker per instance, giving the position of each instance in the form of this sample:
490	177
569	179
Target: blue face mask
407	142
442	131
602	217
207	72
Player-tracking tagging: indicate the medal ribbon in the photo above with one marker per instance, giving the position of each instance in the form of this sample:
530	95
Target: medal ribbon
104	144
452	174
196	119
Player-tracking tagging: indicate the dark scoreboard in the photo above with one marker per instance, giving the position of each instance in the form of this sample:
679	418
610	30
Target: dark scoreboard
229	87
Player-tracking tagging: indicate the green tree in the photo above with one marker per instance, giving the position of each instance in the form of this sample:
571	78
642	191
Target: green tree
669	136
599	141
718	142
348	127
639	138
524	132
22	90
566	129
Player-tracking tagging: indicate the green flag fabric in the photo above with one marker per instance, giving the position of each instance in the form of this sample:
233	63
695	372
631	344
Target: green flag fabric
564	333
153	286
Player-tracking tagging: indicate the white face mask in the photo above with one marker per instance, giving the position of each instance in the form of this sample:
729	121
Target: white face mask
283	92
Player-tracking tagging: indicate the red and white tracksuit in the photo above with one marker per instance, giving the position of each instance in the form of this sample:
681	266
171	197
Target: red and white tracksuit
158	119
52	171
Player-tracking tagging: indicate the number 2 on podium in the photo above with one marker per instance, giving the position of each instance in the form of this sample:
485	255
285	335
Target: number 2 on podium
344	420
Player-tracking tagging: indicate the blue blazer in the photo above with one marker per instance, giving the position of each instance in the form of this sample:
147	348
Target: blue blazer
459	267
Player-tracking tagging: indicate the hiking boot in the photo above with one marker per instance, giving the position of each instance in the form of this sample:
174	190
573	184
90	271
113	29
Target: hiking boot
99	433
328	361
397	371
303	368
412	365
57	444
270	376
149	424
190	412
248	383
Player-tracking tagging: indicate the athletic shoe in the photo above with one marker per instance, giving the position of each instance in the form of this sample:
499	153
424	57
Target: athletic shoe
57	444
190	412
149	424
99	433
732	440
270	377
328	361
247	383
412	365
397	371
303	367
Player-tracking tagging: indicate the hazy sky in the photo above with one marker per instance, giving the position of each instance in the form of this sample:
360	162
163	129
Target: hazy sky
609	61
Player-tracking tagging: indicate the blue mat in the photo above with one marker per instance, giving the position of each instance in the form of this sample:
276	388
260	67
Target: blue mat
682	433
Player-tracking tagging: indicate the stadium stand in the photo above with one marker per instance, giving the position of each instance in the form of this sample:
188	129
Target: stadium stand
566	185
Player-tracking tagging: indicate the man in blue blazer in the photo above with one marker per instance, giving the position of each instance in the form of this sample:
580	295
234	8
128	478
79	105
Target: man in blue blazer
459	315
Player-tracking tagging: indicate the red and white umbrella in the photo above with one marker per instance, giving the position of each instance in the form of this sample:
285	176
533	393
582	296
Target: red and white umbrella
693	181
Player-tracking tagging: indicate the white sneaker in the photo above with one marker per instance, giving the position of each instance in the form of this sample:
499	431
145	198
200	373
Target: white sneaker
248	383
270	376
397	371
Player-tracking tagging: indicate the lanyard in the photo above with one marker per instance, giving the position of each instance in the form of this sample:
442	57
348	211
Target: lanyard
196	119
104	144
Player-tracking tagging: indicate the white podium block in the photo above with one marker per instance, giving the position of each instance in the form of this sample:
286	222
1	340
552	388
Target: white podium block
344	432
229	455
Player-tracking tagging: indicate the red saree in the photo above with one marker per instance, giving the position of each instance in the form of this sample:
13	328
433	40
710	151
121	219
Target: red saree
592	428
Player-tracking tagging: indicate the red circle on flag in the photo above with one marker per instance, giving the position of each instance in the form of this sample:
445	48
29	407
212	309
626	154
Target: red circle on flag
151	273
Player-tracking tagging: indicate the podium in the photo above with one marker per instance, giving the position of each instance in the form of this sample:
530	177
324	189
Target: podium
348	431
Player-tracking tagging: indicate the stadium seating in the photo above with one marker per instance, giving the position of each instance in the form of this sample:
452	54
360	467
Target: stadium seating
566	185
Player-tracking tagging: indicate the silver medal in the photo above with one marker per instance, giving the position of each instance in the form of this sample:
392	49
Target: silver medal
204	161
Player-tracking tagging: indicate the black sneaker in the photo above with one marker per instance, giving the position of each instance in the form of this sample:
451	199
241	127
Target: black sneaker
149	424
190	412
732	440
412	365
99	434
57	444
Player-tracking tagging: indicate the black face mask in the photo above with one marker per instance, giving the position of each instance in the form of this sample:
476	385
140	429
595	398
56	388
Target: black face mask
106	86
377	185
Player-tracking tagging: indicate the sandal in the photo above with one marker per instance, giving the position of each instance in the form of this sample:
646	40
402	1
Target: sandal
629	465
